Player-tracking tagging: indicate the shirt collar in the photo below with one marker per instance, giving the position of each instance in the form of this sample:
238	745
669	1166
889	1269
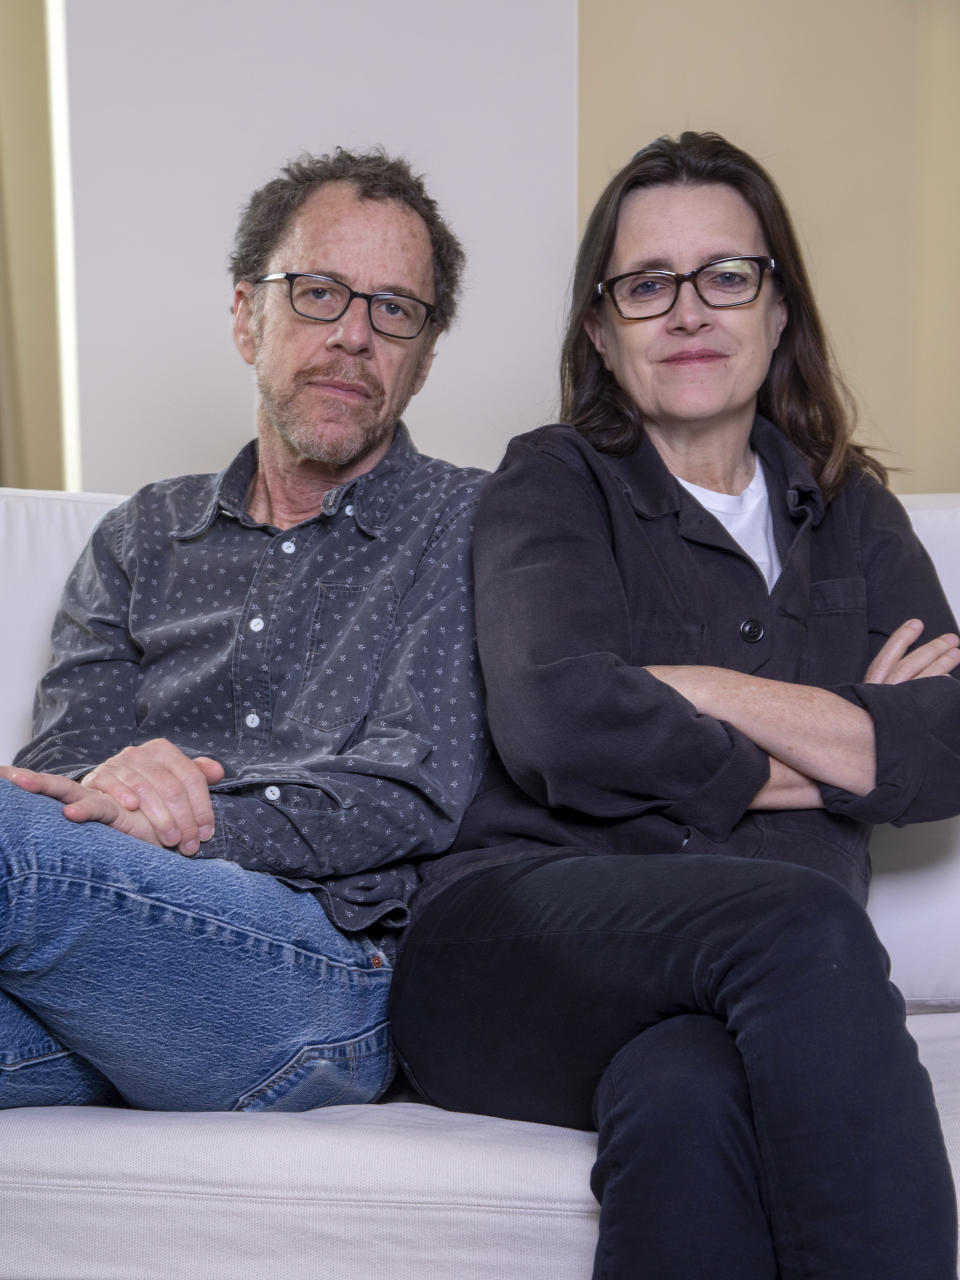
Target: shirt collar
654	492
373	494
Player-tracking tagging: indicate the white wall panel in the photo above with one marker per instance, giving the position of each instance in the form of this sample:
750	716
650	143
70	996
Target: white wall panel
179	110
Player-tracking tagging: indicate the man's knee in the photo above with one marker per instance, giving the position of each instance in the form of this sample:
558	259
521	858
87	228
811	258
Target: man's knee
25	818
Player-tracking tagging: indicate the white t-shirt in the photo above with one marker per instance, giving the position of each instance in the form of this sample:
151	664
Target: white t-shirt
747	518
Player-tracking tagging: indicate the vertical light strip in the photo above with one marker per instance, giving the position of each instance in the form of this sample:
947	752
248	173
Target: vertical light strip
56	24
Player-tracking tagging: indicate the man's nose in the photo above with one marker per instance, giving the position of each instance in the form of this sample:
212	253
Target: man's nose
353	331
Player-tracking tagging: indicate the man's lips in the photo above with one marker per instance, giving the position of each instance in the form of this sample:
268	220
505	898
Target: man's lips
350	390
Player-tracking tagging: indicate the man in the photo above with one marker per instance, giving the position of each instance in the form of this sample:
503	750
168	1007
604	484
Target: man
263	706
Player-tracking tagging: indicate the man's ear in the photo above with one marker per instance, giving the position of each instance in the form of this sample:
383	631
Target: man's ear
244	323
593	326
426	363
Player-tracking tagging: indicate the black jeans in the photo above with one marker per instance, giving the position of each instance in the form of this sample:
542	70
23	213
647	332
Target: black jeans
728	1027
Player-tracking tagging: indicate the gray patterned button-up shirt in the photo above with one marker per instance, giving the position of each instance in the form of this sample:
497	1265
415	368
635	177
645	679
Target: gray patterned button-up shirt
330	668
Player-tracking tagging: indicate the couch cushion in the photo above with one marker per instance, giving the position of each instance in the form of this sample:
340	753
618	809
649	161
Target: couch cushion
938	1038
398	1192
395	1192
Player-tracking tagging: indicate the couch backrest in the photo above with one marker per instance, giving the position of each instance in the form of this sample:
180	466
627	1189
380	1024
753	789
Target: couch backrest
915	899
41	534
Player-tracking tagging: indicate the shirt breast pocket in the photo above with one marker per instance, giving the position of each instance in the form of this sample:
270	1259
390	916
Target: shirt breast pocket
838	643
347	638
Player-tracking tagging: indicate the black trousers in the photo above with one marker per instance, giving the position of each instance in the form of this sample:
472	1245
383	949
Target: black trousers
729	1028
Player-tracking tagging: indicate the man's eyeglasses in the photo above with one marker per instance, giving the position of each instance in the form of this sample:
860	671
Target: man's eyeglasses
728	282
396	315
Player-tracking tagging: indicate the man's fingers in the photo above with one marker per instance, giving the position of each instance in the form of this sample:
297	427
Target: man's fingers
212	769
43	784
153	792
93	806
82	803
171	790
135	791
79	803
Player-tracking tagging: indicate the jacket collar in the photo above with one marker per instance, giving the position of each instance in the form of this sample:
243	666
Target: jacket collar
373	494
653	491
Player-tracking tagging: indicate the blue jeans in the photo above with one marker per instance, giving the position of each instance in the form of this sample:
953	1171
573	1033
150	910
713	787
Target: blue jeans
132	975
728	1027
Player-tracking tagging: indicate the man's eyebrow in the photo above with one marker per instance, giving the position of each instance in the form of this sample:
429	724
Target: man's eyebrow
383	288
400	289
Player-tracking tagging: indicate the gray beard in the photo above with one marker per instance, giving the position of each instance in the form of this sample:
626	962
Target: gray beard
335	451
335	448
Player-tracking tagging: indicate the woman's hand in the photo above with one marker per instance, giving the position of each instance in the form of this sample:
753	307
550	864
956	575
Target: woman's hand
894	665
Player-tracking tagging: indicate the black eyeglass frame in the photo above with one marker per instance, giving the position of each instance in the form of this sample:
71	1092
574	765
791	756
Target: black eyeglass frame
369	299
606	287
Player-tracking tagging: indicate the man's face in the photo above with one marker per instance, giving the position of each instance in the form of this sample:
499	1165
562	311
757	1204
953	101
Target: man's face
331	393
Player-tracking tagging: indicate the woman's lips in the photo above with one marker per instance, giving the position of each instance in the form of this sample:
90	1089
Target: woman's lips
699	356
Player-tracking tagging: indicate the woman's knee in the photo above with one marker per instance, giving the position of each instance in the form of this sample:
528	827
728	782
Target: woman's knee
684	1073
815	917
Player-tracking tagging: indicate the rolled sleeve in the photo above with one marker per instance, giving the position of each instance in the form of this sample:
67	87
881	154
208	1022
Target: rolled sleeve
917	731
916	723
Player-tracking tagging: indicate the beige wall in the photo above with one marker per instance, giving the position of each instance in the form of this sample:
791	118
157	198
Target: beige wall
29	316
854	106
166	148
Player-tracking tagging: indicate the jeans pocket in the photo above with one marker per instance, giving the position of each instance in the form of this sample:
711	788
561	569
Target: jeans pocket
326	1075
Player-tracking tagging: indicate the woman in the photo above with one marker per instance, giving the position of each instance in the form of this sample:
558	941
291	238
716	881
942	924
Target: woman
700	617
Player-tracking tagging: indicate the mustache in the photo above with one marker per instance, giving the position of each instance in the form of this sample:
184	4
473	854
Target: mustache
340	371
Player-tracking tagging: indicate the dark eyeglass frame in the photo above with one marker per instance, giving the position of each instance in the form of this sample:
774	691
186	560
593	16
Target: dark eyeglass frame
369	299
606	287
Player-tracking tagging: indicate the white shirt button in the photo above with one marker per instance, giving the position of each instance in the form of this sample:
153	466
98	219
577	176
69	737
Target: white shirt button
288	548
252	720
349	509
272	793
256	624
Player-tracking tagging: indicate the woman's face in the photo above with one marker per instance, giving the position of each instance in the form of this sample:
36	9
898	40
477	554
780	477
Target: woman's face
697	366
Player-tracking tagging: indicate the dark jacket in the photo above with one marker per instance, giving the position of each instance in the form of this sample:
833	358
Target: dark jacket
591	567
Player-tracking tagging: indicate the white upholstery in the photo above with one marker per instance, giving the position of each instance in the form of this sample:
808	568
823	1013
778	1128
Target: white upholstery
349	1193
41	534
393	1192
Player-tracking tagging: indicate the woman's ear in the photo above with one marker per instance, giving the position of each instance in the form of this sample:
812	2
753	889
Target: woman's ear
593	327
781	316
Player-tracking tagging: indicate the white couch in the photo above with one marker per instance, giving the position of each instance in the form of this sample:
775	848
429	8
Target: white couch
399	1191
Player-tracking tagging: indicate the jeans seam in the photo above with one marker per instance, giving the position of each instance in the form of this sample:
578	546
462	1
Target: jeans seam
39	1057
68	878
